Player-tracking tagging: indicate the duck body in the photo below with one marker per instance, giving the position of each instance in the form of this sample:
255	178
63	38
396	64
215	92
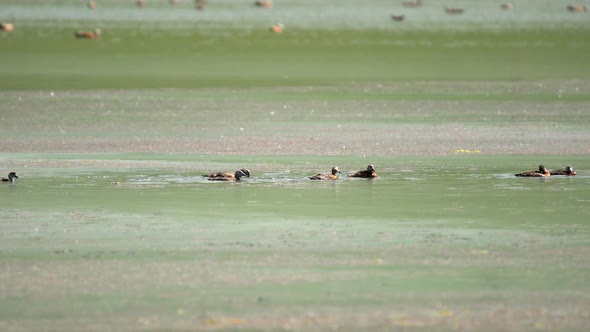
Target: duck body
568	171
228	176
453	10
332	176
368	173
413	4
10	178
541	172
577	8
8	27
277	28
88	34
263	3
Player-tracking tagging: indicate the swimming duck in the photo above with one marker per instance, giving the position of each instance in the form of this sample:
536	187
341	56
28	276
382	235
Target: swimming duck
140	3
277	27
11	177
413	4
453	10
8	27
332	176
92	4
264	3
569	170
88	34
200	4
232	177
368	173
577	8
506	6
219	175
398	18
539	173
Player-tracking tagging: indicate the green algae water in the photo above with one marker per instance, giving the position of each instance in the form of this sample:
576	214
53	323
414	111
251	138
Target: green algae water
430	237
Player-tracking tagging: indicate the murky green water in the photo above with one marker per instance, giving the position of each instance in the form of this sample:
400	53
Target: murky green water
463	189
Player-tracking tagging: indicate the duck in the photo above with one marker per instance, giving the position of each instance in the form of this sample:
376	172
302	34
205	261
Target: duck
277	27
11	177
506	6
88	34
577	8
140	3
92	4
454	10
397	17
413	4
332	176
542	172
569	171
8	27
200	4
228	176
263	3
368	173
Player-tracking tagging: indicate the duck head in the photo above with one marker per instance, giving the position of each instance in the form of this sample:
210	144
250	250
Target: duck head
569	170
335	170
371	168
246	172
240	174
542	169
12	176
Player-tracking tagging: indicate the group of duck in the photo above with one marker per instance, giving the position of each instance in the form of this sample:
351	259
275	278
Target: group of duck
368	173
543	172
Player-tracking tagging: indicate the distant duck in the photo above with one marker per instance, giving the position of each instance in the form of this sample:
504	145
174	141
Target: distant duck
228	176
140	3
567	171
11	177
88	34
8	27
173	2
453	10
539	173
398	18
277	28
506	6
413	4
263	3
200	4
577	8
368	173
332	176
92	5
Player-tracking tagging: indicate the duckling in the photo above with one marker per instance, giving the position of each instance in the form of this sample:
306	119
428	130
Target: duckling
368	173
577	8
8	27
232	177
11	177
263	3
88	34
539	173
569	171
453	10
332	176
